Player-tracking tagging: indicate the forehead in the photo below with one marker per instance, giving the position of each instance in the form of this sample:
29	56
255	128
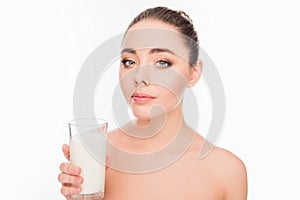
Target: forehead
155	34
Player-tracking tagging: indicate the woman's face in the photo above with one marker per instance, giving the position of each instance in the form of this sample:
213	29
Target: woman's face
154	70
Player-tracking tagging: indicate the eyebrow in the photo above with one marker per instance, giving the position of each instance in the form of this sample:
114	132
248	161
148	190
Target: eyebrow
152	51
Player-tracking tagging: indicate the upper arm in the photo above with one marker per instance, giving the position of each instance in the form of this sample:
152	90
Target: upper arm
235	178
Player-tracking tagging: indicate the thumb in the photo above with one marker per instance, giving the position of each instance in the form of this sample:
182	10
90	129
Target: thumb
66	151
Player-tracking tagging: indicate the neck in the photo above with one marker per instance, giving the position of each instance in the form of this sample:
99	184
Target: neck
154	134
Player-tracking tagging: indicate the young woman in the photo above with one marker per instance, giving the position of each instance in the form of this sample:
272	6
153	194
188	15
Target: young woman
153	78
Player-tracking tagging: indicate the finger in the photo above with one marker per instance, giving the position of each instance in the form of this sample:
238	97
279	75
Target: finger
68	180
70	169
66	151
67	190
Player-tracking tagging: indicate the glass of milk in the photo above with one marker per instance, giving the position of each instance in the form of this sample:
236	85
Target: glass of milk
88	151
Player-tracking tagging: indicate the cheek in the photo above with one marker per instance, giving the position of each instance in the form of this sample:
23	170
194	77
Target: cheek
126	81
167	99
171	80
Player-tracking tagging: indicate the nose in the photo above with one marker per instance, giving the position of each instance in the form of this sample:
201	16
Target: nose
141	75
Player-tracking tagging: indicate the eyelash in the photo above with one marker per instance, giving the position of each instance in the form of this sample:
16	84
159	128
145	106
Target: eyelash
169	64
124	62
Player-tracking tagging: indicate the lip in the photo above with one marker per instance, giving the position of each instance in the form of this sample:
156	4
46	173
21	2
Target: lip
142	97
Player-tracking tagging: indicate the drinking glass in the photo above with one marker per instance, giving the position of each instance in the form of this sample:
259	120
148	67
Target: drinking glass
88	151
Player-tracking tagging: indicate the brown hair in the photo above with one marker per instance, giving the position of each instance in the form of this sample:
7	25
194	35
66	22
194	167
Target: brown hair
180	20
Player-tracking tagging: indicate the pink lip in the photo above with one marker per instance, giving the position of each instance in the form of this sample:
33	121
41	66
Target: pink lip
142	97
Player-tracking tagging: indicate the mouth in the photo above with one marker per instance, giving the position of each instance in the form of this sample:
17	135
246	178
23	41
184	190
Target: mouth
142	98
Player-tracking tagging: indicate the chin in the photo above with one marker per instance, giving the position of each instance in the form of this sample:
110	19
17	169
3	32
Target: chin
144	116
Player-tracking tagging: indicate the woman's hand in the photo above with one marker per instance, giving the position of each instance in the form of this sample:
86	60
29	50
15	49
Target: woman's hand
69	176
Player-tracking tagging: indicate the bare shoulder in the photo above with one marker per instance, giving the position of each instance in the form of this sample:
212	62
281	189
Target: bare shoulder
230	171
118	138
229	161
114	135
226	169
220	157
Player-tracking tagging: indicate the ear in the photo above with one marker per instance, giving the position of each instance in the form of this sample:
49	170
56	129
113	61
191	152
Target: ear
195	74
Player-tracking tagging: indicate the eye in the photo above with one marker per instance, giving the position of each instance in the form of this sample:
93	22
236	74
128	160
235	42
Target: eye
163	64
127	63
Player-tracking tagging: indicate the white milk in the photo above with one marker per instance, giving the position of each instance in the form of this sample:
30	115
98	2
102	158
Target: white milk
92	171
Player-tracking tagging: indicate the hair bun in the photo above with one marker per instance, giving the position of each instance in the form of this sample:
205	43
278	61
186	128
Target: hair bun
183	14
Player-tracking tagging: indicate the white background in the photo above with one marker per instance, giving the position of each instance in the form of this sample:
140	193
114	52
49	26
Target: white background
254	44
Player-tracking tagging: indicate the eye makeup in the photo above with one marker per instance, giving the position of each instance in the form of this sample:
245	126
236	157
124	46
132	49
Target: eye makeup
160	63
163	63
126	63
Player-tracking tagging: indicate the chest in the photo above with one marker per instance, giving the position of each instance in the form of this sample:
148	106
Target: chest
169	183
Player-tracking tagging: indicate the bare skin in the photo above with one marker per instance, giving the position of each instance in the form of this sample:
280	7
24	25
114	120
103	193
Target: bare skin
219	176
